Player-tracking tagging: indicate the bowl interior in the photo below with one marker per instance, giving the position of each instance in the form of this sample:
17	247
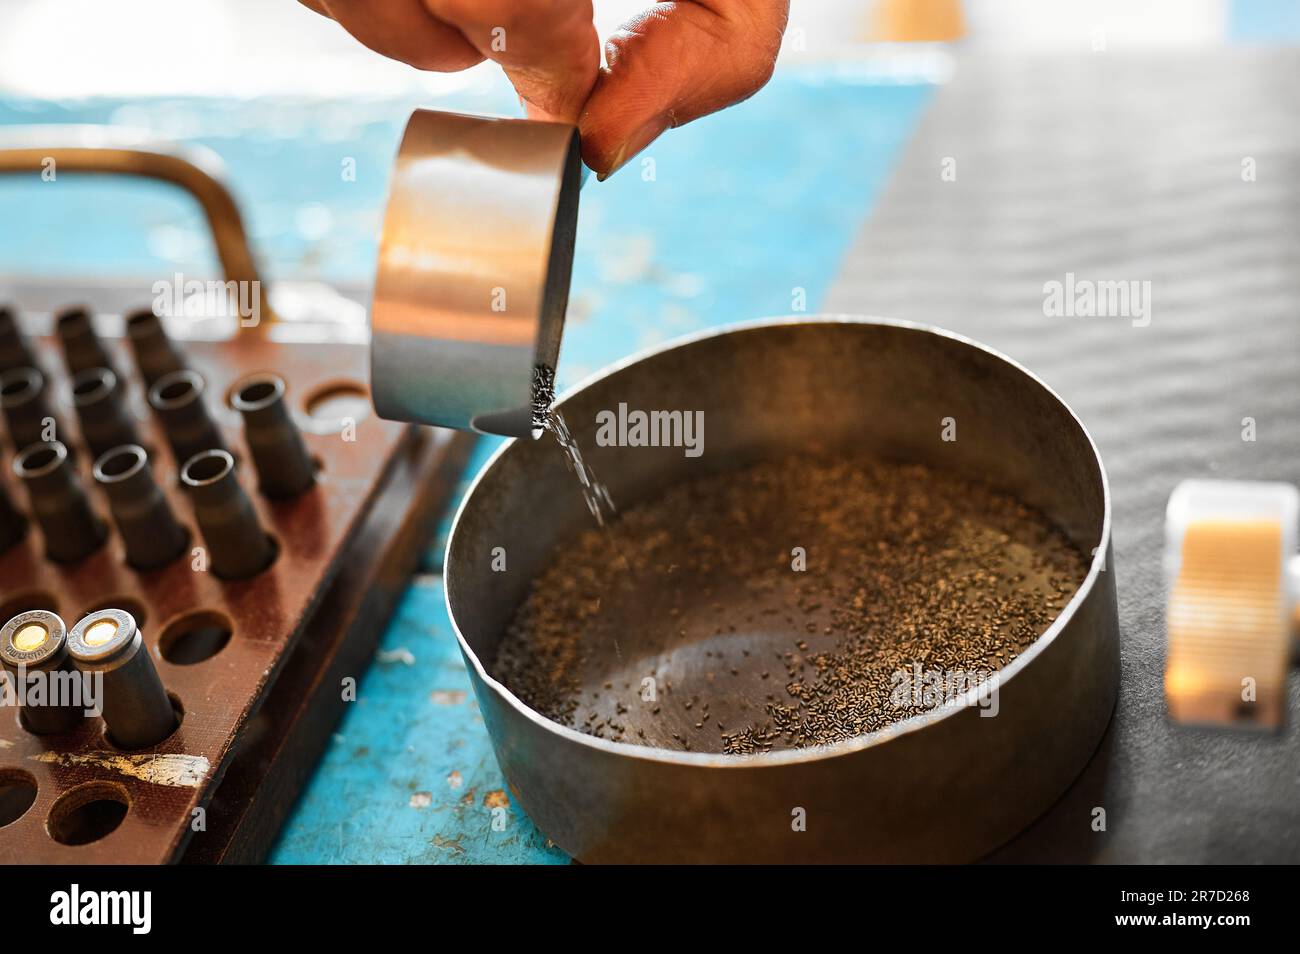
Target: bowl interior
768	390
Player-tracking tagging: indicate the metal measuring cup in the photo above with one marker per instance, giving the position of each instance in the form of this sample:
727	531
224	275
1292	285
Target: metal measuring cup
474	265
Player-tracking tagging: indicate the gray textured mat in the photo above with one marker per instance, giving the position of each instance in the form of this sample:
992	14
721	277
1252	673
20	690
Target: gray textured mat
1127	169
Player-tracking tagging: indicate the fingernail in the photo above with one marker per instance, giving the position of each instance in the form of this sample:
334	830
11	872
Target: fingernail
619	159
634	143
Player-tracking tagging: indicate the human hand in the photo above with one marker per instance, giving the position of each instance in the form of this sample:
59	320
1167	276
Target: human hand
671	64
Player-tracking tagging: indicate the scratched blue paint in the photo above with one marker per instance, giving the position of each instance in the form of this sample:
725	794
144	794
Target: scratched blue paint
409	778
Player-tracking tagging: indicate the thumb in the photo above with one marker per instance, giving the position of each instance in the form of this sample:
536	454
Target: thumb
673	64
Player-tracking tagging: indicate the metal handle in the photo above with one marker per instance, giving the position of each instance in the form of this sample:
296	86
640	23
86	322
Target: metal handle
108	150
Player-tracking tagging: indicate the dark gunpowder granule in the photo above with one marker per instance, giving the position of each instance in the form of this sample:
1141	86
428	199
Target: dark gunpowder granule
855	575
543	397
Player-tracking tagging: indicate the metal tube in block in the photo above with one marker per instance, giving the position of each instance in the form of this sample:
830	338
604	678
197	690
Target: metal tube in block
28	411
82	347
177	398
237	545
284	469
33	647
15	351
140	511
58	502
106	420
156	355
137	711
13	525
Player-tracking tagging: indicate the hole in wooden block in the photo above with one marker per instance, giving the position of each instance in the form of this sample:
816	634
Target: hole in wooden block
17	792
195	637
332	404
88	813
26	601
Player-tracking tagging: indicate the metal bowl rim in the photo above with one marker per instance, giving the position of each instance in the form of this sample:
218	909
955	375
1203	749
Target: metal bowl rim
810	753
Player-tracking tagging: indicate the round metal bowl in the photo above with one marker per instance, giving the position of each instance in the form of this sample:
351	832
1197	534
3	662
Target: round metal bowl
949	785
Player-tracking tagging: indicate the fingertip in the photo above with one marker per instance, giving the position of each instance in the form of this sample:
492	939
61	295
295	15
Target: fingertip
670	65
620	119
595	157
595	145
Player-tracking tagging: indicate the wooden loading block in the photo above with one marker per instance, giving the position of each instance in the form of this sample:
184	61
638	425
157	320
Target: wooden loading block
256	715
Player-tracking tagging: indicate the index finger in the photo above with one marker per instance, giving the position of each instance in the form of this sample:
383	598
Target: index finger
548	48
